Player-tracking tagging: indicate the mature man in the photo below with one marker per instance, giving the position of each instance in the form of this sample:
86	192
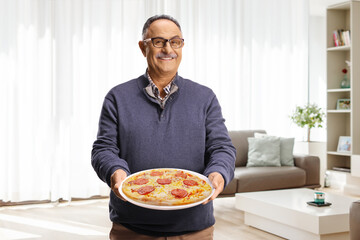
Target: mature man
162	120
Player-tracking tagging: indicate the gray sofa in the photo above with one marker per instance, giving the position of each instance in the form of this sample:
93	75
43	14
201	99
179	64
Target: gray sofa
355	221
305	173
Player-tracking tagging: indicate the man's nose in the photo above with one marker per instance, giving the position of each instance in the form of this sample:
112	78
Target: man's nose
167	48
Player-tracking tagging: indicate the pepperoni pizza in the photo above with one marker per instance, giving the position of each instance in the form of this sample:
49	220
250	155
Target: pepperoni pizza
166	187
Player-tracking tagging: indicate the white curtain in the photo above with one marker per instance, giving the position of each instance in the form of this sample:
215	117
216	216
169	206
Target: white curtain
58	58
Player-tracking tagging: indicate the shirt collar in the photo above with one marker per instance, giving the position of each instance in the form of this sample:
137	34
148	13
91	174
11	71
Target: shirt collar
155	89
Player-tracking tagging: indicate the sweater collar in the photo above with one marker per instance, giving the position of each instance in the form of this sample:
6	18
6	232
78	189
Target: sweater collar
143	81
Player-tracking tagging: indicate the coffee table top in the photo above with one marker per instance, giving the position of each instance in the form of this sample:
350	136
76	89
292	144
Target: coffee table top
296	199
290	207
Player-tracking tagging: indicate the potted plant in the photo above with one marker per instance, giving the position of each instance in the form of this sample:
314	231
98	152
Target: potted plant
309	116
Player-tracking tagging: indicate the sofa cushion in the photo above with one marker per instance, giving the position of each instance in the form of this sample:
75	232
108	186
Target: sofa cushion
240	142
286	149
264	152
266	178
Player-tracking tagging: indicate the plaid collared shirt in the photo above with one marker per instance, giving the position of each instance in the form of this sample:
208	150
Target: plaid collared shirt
156	91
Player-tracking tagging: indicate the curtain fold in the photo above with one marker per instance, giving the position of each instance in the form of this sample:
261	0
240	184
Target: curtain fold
58	59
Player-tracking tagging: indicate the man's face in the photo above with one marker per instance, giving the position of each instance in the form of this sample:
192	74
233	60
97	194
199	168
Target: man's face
162	62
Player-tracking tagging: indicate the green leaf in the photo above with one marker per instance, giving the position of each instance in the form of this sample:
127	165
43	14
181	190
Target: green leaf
310	116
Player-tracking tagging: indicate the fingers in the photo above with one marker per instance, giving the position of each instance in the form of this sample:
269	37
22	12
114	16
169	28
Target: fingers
115	189
116	179
218	182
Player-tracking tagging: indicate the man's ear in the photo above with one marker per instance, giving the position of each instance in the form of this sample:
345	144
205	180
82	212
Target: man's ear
142	47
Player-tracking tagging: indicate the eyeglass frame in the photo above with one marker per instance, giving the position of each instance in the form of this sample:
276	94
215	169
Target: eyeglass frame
166	40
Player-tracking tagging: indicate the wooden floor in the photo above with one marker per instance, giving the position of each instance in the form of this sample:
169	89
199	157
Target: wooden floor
230	223
89	220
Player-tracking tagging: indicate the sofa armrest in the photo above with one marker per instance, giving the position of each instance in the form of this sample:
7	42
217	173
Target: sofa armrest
311	165
355	220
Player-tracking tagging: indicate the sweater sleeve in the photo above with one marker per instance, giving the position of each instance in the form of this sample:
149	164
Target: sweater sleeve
105	153
220	152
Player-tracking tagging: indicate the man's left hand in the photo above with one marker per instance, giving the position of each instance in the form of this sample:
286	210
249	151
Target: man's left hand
218	183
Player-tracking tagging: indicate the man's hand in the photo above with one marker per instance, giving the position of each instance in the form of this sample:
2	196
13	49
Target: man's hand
116	178
218	183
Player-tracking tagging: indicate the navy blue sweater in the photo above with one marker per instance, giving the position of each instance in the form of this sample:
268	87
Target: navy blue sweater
136	134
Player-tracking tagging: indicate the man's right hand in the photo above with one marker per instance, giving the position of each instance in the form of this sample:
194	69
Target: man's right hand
116	179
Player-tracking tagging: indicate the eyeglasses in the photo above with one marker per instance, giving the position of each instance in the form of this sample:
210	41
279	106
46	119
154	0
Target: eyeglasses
160	42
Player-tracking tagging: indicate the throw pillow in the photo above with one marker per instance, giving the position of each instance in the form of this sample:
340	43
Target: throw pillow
286	149
264	152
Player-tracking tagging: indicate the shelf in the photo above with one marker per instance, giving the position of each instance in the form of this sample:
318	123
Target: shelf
338	111
340	48
342	169
346	173
339	90
343	122
339	153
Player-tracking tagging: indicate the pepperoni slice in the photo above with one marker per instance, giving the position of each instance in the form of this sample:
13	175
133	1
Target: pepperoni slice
190	183
179	193
145	190
156	173
181	174
163	181
140	181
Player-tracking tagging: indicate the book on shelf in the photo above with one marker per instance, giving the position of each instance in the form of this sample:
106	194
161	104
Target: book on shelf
341	169
342	37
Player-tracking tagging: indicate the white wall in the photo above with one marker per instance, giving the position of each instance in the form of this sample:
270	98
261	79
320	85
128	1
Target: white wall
317	69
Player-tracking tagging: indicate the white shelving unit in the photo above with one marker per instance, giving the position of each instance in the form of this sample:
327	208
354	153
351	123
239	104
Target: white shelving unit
343	122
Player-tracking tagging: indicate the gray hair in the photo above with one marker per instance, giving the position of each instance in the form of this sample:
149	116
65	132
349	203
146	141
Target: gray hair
157	17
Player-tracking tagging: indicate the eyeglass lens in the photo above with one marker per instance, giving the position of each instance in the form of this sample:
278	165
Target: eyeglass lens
160	42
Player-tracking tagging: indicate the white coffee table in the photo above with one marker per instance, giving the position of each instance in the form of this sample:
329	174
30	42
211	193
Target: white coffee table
285	213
